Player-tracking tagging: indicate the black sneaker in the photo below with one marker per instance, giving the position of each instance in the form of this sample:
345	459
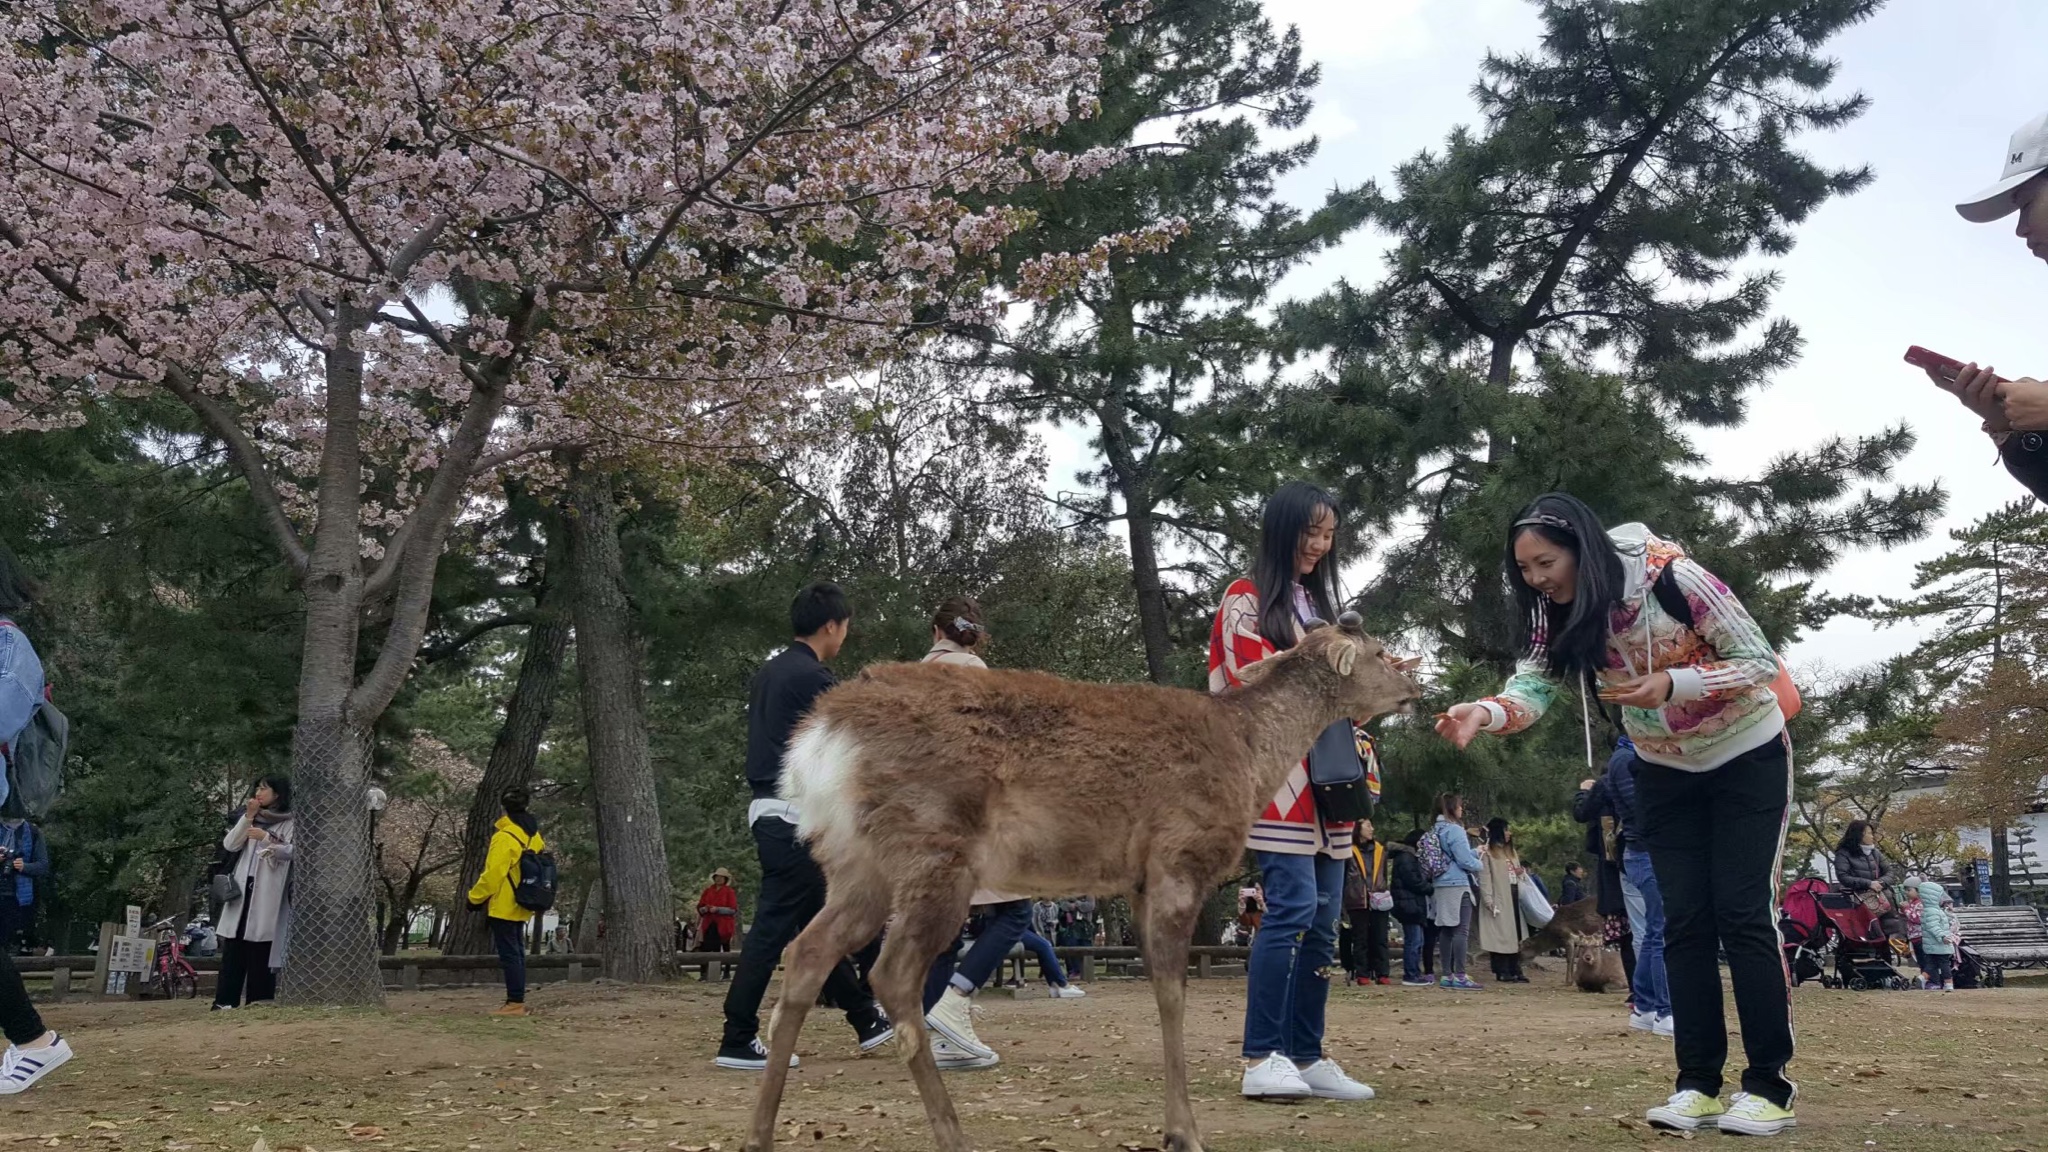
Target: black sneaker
749	1057
874	1033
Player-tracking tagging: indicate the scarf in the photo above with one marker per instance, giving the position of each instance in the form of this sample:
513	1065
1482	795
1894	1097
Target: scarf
267	818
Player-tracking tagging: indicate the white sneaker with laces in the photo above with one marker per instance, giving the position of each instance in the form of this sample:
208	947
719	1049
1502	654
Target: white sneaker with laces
1665	1026
953	1058
22	1067
1642	1021
1066	992
953	1018
1329	1082
1274	1078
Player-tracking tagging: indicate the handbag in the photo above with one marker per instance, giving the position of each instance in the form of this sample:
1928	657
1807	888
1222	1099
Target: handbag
1337	775
1536	910
223	887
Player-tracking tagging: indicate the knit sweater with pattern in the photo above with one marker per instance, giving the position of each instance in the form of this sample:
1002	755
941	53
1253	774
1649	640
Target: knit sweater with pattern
1721	668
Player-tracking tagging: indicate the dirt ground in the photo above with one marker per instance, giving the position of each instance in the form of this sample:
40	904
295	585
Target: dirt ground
630	1070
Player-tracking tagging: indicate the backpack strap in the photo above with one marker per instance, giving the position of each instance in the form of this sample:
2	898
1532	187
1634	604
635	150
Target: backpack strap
1673	601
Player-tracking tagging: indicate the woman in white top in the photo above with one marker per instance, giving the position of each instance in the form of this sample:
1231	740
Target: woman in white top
256	920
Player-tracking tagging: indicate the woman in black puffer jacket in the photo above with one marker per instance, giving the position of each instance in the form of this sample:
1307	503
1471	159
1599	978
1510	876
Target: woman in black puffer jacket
1863	872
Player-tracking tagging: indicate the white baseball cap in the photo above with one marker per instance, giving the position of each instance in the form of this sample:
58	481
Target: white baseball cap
2025	157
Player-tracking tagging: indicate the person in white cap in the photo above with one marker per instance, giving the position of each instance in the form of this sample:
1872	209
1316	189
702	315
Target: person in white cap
2015	412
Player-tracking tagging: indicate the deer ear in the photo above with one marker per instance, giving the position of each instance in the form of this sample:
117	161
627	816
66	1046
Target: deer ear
1343	657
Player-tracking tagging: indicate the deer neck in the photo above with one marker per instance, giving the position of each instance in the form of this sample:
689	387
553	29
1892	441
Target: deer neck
1283	714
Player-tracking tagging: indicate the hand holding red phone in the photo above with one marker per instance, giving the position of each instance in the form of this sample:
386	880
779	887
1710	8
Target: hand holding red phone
2024	403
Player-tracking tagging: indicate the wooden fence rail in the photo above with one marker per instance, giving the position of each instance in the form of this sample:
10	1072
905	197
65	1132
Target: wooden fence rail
73	974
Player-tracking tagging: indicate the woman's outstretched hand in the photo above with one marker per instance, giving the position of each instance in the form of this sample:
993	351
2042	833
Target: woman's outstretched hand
1461	723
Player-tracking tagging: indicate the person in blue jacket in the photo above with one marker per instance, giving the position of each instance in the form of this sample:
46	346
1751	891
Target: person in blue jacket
1451	903
33	1051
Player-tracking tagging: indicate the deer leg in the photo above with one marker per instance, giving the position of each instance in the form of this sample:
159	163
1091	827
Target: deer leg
929	917
853	914
1167	910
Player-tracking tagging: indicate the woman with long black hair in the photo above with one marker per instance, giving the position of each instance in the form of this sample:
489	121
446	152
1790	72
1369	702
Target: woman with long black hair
1692	672
1300	855
255	919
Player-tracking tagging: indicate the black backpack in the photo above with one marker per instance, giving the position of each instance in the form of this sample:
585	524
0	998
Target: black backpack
535	888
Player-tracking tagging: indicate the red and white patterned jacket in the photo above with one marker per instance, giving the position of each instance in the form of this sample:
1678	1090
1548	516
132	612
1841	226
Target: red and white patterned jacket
1290	824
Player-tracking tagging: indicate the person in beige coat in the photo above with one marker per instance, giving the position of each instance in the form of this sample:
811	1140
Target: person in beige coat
1499	920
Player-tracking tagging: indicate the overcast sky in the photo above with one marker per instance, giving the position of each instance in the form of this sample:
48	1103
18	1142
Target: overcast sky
1891	266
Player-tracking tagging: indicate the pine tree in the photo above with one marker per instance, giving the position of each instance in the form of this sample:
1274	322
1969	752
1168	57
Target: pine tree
1988	604
1568	296
1191	86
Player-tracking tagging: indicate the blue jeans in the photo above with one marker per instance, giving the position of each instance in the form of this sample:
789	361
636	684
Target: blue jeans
1288	979
1001	927
510	938
1413	937
1048	960
1639	889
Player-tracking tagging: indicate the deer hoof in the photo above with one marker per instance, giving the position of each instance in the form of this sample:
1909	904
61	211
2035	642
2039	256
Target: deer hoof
1183	1142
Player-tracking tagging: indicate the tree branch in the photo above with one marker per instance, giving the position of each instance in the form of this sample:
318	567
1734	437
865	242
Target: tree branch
249	459
473	633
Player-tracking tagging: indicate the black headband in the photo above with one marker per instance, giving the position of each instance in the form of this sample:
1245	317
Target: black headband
1544	520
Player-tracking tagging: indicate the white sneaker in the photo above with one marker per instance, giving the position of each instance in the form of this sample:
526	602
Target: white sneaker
1066	992
1642	1021
1328	1082
20	1068
1665	1026
953	1018
953	1058
1274	1078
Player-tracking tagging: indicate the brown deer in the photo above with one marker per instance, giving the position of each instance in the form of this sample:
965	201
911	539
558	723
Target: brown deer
917	784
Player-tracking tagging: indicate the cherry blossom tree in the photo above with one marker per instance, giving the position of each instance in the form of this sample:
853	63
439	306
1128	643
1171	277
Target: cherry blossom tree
385	249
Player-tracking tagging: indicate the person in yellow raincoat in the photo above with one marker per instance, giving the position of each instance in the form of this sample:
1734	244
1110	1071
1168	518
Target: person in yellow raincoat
495	892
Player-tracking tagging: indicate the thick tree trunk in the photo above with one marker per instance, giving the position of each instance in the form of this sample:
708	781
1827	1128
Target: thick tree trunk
332	955
589	918
1152	617
527	715
630	849
1488	622
181	881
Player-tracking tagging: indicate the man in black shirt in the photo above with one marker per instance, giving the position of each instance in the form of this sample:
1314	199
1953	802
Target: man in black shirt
792	886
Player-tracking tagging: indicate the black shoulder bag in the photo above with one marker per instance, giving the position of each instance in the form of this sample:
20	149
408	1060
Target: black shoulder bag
1337	775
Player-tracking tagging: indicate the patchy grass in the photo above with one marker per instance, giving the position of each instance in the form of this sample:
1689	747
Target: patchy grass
630	1069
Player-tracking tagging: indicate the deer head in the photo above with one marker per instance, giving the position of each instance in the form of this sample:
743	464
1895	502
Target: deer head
1357	670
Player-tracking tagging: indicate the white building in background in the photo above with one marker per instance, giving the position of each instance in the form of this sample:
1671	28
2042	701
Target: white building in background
2028	839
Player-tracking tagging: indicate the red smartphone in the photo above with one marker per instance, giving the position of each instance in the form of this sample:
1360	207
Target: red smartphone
1943	366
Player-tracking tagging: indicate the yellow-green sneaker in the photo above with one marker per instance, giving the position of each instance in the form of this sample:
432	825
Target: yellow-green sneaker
1688	1111
1750	1115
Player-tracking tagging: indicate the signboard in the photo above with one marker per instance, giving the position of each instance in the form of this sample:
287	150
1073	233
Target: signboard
134	920
130	954
1983	870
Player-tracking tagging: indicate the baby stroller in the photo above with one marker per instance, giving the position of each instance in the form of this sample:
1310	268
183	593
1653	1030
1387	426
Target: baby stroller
1809	938
1863	953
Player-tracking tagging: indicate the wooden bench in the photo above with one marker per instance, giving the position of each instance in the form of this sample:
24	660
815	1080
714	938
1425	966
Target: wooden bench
2011	937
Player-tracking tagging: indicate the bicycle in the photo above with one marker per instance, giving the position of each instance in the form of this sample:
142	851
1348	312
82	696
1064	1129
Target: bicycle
173	977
